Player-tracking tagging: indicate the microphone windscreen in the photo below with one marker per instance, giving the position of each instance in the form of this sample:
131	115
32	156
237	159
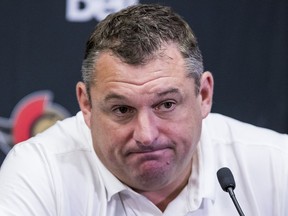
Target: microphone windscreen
225	178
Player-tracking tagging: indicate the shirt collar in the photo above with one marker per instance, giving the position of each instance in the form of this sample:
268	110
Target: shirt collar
207	176
201	183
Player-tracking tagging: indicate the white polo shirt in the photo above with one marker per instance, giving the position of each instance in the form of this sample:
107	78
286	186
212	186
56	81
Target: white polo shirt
58	173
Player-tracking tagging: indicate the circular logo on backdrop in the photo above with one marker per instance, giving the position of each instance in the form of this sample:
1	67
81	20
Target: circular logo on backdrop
33	114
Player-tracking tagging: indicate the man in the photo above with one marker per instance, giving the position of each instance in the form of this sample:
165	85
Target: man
142	144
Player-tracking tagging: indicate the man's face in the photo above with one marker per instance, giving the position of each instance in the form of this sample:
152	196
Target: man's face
146	120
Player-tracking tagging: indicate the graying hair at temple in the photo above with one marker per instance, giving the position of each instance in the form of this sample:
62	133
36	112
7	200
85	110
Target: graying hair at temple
136	35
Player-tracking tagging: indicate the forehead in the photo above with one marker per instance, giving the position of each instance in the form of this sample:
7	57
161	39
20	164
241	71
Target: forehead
162	75
168	62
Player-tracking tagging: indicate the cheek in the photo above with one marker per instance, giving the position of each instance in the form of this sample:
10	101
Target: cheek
186	133
101	135
108	140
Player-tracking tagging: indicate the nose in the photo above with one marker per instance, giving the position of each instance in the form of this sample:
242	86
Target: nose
146	130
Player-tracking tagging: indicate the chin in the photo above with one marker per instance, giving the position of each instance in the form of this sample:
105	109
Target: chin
154	178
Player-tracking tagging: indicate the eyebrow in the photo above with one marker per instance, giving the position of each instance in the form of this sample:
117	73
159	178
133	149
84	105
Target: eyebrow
112	96
168	91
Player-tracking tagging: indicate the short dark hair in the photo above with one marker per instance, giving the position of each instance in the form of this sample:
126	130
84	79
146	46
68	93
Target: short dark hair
136	33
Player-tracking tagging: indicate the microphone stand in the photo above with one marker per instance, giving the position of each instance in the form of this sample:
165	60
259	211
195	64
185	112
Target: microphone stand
233	197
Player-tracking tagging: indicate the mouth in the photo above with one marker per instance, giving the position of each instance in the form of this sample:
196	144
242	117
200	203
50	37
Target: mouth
149	152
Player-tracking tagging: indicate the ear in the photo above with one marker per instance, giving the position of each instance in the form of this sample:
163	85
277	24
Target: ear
84	102
206	93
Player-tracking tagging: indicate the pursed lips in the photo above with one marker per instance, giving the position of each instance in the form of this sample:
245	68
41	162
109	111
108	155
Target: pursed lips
149	149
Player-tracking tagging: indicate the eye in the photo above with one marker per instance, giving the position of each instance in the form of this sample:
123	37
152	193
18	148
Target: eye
123	111
166	106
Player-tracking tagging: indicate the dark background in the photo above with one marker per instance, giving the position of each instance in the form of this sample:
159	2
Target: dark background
244	44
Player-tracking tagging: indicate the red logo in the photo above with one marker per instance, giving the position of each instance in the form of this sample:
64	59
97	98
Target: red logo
33	114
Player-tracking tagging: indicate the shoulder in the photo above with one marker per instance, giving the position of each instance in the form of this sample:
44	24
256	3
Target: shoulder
40	169
65	137
256	156
71	134
66	143
236	142
228	130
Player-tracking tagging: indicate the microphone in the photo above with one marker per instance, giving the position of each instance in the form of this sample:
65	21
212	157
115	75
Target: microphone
227	182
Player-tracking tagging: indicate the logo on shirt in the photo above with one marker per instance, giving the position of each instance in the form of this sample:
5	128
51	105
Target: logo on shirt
85	10
32	115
